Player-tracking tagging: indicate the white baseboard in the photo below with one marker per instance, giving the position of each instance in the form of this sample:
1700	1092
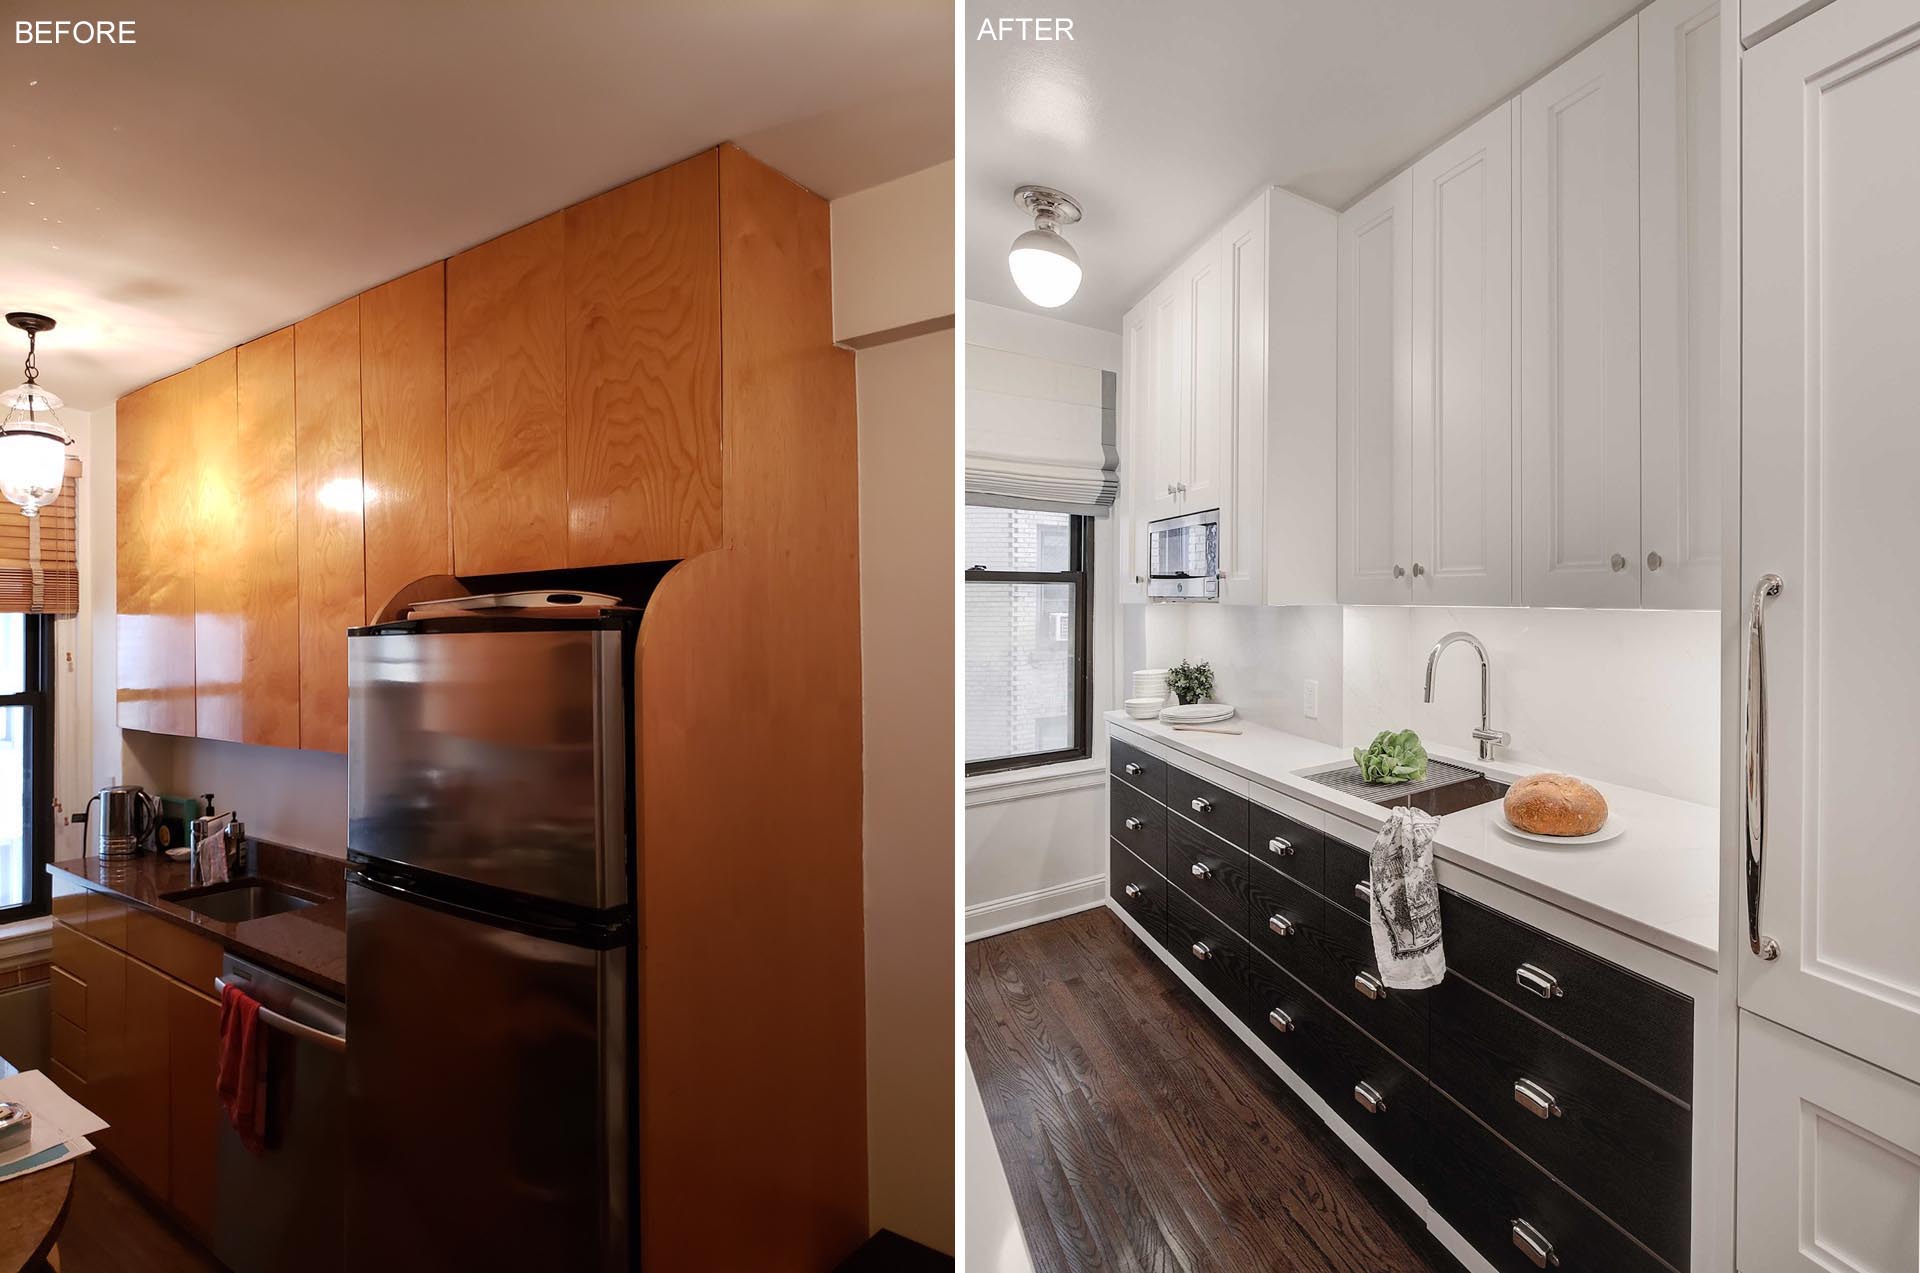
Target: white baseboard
1004	914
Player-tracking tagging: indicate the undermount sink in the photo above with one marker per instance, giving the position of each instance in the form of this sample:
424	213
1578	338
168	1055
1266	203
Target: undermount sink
241	899
1446	788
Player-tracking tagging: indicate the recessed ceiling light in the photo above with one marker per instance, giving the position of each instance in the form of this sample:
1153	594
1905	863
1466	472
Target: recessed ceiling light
1045	267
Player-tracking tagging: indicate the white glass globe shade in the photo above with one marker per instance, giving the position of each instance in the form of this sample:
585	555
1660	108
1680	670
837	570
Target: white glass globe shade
1045	268
32	467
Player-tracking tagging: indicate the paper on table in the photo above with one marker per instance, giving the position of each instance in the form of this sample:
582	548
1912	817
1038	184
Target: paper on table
61	1124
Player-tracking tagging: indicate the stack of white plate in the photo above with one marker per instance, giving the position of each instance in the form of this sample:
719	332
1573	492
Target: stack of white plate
1149	694
1197	714
1145	708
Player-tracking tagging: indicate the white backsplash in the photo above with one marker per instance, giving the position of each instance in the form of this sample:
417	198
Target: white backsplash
1627	696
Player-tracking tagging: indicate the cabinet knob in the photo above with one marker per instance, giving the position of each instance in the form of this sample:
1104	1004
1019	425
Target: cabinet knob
1536	1248
1369	1097
1399	571
1202	951
1280	1021
1280	925
1537	980
1653	561
1370	986
1133	824
1618	563
1534	1099
1280	847
1133	770
1418	570
1134	890
1202	805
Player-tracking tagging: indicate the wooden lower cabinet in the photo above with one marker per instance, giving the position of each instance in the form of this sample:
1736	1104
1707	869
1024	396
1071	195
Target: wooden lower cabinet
193	1055
141	1143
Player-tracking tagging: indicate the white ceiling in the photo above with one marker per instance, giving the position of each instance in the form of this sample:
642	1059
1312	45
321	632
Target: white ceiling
1162	119
248	162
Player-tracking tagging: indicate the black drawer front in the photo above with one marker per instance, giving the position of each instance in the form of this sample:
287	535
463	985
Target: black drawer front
1347	867
1609	1137
1137	821
1215	808
1206	947
1344	1060
1398	1018
1482	1187
1278	841
1282	918
1141	891
1281	1012
1130	764
1645	1027
1211	872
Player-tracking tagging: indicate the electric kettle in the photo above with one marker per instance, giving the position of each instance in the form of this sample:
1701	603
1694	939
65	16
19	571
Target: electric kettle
127	818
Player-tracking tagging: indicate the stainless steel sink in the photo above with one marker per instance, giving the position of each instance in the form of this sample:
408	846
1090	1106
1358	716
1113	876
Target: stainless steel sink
240	899
1446	789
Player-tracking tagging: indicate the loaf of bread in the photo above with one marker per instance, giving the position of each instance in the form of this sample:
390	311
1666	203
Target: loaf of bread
1555	804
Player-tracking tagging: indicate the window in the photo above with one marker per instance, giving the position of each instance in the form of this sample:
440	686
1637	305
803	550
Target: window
1029	611
26	763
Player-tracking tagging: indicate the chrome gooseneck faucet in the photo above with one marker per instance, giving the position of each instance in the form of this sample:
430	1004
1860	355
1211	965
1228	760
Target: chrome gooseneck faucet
1488	737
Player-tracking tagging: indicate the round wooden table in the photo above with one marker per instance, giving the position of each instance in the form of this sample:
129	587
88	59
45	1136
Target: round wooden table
32	1209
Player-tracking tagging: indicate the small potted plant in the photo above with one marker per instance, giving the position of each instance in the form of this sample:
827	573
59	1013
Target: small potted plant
1191	682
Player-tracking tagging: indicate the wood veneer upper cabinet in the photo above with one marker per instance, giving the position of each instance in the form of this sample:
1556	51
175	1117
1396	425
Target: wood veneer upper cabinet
265	588
643	368
155	471
507	401
221	521
403	432
326	371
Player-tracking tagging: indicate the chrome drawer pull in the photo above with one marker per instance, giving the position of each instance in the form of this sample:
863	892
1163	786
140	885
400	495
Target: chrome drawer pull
1538	980
1134	890
1280	1021
1202	805
1133	824
1363	891
1280	847
1369	1097
1370	986
1201	871
1133	770
1202	951
1753	763
1534	1099
1281	925
1535	1247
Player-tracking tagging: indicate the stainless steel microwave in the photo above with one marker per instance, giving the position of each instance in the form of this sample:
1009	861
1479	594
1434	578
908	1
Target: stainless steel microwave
1183	557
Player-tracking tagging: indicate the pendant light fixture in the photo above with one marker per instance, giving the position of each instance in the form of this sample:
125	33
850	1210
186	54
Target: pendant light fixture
33	445
1045	267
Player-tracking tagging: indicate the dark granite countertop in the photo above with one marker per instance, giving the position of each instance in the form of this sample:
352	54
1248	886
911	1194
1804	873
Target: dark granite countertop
309	945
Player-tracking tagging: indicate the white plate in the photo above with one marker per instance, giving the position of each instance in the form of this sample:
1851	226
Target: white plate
1197	714
1612	830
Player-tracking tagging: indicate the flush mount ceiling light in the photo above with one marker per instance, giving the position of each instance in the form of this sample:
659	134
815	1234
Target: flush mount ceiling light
33	446
1045	267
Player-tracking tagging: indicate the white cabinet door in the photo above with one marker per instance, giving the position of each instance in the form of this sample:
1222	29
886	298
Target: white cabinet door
1243	511
1462	513
1830	374
1829	1167
1680	418
1170	318
1375	398
1580	329
1136	400
1209	441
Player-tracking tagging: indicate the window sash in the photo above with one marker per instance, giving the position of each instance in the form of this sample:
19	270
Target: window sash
37	790
1080	579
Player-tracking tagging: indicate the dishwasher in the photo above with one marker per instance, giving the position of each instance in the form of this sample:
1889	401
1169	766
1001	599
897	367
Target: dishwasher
282	1209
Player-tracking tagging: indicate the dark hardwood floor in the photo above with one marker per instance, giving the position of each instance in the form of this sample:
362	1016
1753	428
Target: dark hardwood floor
1138	1133
111	1229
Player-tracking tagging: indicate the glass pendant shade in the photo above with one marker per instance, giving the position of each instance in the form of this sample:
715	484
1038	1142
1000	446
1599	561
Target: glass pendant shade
1045	268
33	448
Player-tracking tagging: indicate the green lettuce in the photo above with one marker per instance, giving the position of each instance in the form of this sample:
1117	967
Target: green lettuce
1392	757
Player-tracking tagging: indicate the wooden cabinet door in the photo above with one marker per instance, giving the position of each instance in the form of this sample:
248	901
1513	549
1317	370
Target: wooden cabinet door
155	524
1463	443
265	586
193	1057
1170	314
326	371
1136	397
1375	417
222	519
1580	329
403	432
507	401
1828	444
1207	448
134	418
643	367
142	1145
1680	383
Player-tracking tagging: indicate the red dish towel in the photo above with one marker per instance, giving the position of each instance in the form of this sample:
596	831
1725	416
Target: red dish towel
242	1077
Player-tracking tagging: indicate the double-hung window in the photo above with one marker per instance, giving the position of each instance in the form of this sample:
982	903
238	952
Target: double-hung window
1029	607
26	763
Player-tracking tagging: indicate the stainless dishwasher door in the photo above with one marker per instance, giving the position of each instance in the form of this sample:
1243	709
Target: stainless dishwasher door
283	1209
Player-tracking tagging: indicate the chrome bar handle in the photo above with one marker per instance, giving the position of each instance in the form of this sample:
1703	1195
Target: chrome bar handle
1133	824
1364	891
286	1024
1537	980
1280	925
1370	986
1280	1020
1534	1099
1753	759
1280	846
1369	1097
1534	1246
1202	951
1202	805
1133	890
1133	770
1201	871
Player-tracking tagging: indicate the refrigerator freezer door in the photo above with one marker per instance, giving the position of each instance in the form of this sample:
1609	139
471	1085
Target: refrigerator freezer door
495	757
489	1081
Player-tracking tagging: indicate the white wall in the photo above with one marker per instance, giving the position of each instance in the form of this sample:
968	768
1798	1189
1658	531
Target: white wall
1261	656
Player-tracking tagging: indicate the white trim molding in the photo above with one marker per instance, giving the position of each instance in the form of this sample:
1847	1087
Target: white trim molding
1045	780
27	942
1057	901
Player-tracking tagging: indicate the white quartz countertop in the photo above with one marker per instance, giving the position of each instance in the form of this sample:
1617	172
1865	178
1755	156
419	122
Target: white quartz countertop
1658	882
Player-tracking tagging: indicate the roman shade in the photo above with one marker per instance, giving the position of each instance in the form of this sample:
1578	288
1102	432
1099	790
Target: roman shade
1040	434
39	569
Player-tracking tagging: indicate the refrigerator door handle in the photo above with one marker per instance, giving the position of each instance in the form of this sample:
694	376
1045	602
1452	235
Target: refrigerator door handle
590	936
280	1021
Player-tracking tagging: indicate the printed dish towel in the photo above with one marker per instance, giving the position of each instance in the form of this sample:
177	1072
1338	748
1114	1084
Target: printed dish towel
1405	913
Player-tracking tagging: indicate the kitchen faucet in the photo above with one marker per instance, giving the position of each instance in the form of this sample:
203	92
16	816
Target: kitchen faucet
1488	737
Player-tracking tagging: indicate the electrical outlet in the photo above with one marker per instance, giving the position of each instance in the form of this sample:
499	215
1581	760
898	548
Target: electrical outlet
1310	699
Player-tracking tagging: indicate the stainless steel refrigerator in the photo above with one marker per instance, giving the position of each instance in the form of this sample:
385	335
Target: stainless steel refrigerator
491	943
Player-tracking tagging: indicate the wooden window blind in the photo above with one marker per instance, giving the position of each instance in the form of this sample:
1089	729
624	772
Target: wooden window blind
39	569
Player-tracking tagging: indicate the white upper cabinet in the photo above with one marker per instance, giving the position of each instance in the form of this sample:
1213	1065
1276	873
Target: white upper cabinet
1375	397
1462	432
1170	336
1207	448
1580	329
1680	389
1136	402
